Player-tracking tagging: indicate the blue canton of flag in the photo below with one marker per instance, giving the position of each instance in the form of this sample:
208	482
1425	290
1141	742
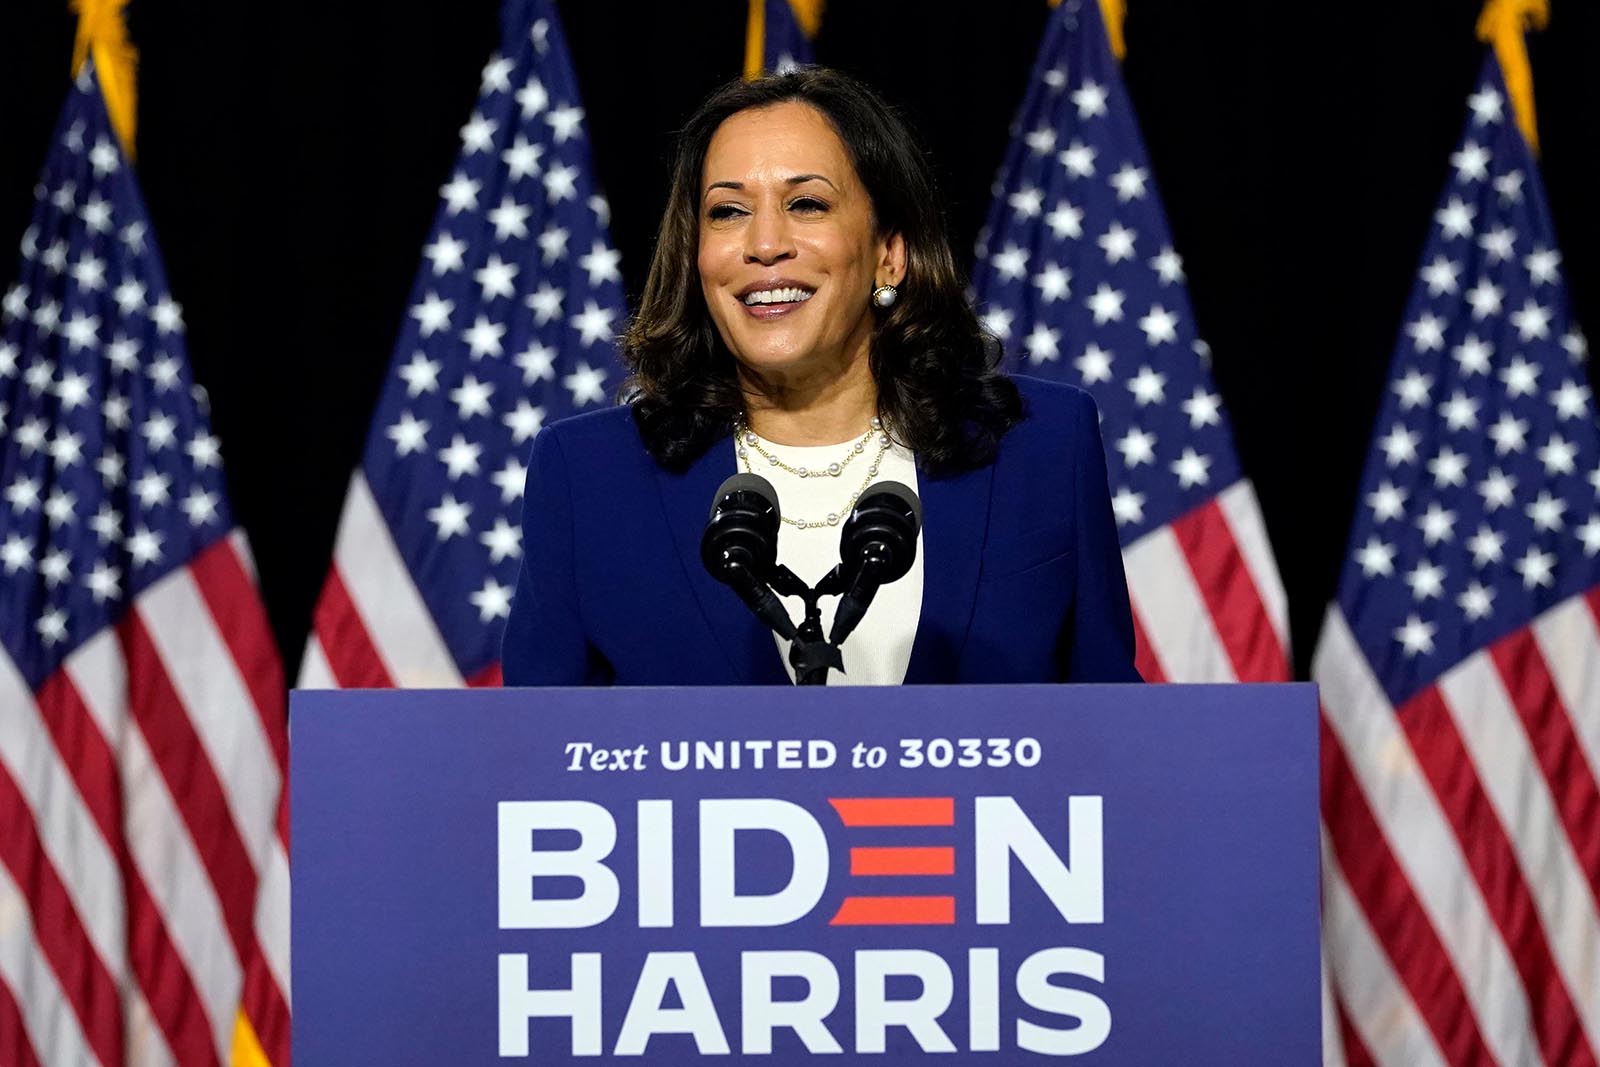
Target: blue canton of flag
111	475
511	325
784	44
1479	499
1077	276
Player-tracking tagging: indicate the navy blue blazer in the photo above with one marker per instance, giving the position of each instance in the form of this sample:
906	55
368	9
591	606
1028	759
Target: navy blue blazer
1022	576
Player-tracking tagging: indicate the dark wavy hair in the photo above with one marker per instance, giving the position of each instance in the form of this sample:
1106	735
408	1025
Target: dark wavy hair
939	388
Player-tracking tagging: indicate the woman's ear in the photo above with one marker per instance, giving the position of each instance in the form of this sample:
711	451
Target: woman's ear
892	260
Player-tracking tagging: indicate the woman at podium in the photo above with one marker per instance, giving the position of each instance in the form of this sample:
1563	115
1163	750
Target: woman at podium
804	319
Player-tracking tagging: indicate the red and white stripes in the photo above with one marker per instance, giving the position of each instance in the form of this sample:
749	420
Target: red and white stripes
145	778
1207	601
1462	861
372	629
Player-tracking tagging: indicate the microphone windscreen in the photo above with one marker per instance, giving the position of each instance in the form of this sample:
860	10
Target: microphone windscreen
746	483
901	492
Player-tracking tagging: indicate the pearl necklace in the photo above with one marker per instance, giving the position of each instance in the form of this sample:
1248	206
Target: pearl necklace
746	441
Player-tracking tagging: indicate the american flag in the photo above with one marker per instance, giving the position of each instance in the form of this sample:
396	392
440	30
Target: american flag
511	325
142	740
1460	664
1077	275
778	35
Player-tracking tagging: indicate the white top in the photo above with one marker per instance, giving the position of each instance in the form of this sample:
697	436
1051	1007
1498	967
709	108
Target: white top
878	651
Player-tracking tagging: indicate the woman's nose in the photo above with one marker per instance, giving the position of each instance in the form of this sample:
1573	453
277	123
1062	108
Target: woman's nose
767	238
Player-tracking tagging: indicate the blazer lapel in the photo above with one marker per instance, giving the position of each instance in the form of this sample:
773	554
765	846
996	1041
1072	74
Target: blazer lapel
955	525
748	647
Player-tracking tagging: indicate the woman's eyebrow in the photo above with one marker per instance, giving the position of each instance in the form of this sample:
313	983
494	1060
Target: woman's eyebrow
798	179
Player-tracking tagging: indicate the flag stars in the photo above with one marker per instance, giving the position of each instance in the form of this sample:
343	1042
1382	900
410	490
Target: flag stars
1203	408
153	489
997	321
1486	106
1547	511
167	315
1117	243
1498	244
1487	546
1455	218
80	331
532	98
201	507
471	397
1137	447
483	338
1078	159
1497	489
1413	389
1543	266
1376	558
1476	602
1509	434
504	541
66	448
55	567
409	435
1472	355
561	183
104	158
1027	202
510	219
553	243
1460	412
1160	326
58	507
1106	305
1449	468
159	431
1576	346
493	601
96	214
461	457
1589	534
564	123
1521	378
1471	162
1168	266
1148	387
110	467
16	554
587	384
421	375
1537	568
52	627
1090	99
1437	524
478	134
1387	502
1192	469
1532	322
496	278
433	314
593	323
1440	276
1043	343
1399	445
524	422
1571	401
1127	506
1427	333
538	363
1426	580
163	374
511	480
1054	283
1065	221
22	494
1042	141
1011	263
460	194
1129	181
1509	186
601	264
545	302
1558	456
1094	365
497	75
144	547
450	517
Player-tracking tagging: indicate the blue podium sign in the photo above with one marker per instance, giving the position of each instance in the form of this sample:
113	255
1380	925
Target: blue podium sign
985	875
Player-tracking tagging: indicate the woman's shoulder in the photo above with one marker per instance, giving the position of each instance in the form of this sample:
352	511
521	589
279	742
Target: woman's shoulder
602	438
1053	409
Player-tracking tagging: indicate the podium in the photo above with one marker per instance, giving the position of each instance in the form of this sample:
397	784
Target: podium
1106	875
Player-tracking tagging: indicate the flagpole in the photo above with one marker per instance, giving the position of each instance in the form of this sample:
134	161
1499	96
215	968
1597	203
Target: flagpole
1504	25
103	33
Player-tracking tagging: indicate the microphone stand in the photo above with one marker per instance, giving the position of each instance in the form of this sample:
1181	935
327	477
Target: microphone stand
810	654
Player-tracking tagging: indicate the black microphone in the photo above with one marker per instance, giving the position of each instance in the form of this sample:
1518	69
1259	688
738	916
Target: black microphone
878	546
740	546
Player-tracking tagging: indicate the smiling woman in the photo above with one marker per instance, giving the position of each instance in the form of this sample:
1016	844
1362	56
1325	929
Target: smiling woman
804	313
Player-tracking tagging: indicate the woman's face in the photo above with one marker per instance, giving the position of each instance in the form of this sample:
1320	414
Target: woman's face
789	250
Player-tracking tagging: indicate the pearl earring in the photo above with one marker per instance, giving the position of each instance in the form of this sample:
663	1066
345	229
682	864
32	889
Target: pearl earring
885	295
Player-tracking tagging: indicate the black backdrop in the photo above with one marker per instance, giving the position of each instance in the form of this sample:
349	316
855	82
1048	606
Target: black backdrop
291	156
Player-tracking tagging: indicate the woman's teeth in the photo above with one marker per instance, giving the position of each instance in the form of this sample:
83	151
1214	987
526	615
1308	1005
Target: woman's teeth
777	296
